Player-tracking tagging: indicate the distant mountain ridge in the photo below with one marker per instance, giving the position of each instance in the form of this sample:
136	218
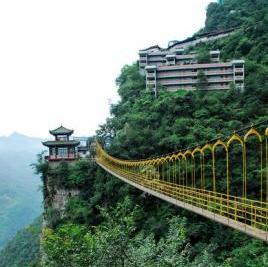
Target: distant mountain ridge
20	197
18	141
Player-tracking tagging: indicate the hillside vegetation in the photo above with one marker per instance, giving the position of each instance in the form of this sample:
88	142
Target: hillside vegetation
20	197
23	249
113	224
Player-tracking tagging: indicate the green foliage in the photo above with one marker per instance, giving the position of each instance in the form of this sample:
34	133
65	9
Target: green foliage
250	252
79	173
52	216
20	197
203	56
63	175
202	81
146	125
41	168
118	241
235	13
251	39
103	227
78	210
41	165
73	245
23	249
133	83
58	177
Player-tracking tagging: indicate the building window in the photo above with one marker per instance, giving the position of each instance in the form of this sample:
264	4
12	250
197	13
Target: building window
62	137
83	142
53	151
63	152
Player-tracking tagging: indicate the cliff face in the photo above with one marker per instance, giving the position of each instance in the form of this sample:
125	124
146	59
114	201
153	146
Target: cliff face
57	195
60	198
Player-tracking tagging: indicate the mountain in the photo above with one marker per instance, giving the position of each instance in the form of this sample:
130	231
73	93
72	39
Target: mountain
112	224
23	249
20	142
20	197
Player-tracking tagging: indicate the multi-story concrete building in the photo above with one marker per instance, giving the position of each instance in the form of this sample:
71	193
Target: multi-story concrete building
219	76
174	69
156	55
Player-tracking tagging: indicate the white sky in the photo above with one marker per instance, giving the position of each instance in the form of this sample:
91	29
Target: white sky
59	58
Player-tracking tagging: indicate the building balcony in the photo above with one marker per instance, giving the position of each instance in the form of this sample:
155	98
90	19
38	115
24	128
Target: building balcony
177	82
215	60
185	57
150	75
194	81
220	80
141	64
176	88
172	88
218	87
158	53
237	70
175	74
239	78
219	72
143	53
155	60
70	156
209	66
150	82
142	57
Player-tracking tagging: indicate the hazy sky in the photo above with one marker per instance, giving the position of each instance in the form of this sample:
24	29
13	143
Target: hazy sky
59	59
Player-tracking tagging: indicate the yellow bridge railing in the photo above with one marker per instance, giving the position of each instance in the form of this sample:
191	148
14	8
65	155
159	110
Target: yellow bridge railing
202	179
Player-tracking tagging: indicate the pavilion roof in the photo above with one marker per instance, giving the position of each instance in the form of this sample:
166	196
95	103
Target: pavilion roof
61	130
61	143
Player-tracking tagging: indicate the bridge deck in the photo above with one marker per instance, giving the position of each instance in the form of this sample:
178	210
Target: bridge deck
242	227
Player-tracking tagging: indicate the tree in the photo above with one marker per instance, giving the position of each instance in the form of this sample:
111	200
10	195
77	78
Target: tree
202	82
203	56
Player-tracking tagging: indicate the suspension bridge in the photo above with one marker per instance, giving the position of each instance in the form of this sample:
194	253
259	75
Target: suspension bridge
225	180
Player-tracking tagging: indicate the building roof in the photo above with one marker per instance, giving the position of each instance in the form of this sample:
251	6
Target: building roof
215	52
157	49
150	47
61	143
61	130
205	34
238	61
